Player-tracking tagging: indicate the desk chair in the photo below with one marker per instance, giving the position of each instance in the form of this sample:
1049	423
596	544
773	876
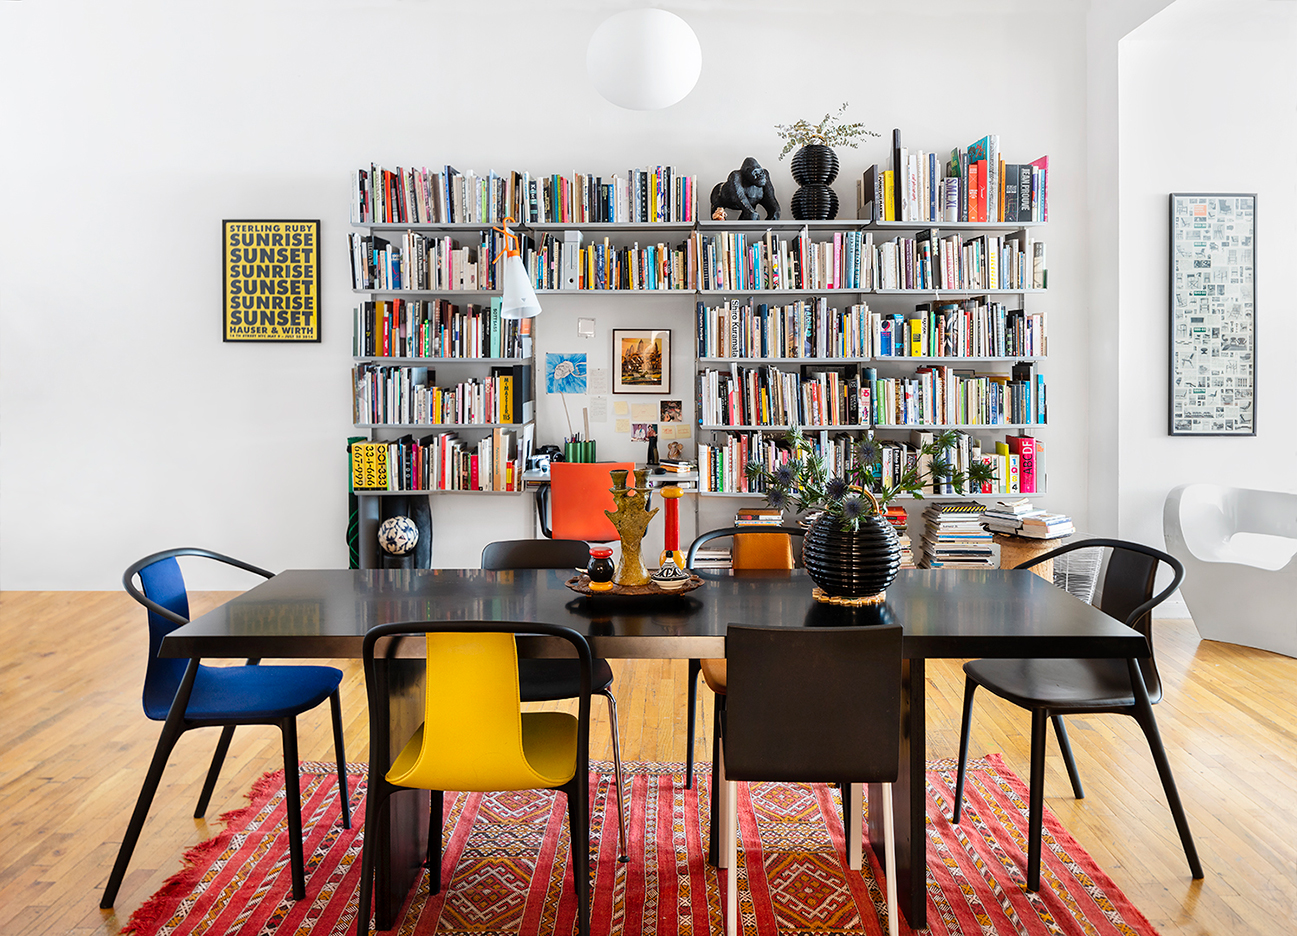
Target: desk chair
1051	689
551	680
476	738
755	547
577	496
780	681
183	694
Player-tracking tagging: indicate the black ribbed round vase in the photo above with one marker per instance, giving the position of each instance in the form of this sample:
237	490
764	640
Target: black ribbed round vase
851	566
815	166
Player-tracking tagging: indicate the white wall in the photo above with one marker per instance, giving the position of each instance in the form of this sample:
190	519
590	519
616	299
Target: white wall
1208	103
131	129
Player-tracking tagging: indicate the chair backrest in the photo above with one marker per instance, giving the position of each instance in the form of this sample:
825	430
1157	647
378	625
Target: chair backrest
754	547
813	704
579	494
162	592
472	731
1127	592
535	554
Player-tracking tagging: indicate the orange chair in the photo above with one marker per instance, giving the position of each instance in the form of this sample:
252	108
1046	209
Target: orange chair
579	493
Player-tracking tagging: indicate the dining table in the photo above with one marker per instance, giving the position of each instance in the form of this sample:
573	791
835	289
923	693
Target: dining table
948	613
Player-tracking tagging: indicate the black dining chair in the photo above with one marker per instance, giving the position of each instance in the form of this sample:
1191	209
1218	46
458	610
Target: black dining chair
767	547
552	680
781	682
1051	689
183	694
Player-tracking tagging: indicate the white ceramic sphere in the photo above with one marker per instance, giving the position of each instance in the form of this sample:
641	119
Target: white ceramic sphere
397	536
644	59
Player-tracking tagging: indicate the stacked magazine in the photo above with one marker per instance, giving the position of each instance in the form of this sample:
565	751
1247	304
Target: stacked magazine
1018	518
954	538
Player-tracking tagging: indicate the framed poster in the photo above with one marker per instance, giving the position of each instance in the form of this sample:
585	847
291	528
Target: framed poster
272	280
1213	315
641	360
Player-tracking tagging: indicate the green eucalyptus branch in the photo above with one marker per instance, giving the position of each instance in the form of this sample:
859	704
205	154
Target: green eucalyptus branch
831	131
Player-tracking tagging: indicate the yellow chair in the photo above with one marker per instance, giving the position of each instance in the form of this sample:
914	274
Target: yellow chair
476	738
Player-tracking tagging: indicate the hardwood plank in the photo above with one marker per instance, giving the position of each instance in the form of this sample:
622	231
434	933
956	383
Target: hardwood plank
76	744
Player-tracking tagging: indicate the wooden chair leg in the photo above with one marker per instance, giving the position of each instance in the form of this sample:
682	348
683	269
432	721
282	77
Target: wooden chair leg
853	795
691	707
889	847
436	819
718	782
344	791
1144	715
375	798
578	817
622	855
172	729
1066	747
166	742
214	771
293	807
1036	810
731	858
965	729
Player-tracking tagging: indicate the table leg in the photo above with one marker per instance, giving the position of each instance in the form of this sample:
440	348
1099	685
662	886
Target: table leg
908	803
401	839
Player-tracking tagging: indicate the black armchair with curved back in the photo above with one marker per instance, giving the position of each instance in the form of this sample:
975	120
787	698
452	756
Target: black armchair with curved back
552	680
1051	689
753	559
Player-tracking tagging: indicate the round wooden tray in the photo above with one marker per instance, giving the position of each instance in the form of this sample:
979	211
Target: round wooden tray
581	585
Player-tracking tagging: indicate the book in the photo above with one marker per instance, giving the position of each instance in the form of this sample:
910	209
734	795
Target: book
1025	448
369	466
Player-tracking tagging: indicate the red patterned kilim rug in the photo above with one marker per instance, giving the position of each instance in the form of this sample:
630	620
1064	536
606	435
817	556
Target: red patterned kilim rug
506	864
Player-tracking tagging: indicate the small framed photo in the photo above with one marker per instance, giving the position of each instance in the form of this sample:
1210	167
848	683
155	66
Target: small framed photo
641	360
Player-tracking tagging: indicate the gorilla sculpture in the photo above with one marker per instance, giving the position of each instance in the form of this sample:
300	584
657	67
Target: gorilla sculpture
745	189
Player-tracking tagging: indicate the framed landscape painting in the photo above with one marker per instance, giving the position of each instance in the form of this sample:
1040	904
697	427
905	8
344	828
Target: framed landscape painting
1213	315
641	360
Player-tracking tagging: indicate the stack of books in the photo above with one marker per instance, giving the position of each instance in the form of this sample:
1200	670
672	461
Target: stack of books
1047	526
1006	516
953	538
712	557
896	516
759	516
1017	518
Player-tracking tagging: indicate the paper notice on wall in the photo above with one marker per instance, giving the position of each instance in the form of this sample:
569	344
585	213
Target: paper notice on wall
599	409
621	425
683	430
643	412
667	430
620	408
597	380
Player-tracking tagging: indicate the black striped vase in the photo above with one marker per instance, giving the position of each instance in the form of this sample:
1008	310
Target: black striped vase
852	564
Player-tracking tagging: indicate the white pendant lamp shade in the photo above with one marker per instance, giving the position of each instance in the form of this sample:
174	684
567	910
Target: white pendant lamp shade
644	59
519	297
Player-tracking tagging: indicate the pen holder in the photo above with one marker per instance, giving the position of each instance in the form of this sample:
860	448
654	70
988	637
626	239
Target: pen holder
579	451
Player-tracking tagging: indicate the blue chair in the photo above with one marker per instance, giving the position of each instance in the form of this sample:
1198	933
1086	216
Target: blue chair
184	694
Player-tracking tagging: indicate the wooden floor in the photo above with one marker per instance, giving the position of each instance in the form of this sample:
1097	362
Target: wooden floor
74	745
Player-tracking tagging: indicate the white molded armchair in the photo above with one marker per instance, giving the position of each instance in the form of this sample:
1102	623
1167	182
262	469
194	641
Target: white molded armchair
1239	549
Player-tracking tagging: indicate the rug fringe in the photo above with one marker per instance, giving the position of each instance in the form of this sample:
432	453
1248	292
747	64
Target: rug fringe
154	911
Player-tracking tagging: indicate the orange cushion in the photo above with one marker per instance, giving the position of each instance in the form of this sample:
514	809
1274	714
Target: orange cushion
762	551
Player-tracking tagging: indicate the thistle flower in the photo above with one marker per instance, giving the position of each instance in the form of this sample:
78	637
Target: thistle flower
777	498
852	508
870	451
783	475
836	488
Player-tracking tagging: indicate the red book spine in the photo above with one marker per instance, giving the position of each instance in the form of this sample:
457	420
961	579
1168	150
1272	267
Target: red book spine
1025	448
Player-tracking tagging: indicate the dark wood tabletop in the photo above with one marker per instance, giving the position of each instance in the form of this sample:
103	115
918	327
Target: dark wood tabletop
325	613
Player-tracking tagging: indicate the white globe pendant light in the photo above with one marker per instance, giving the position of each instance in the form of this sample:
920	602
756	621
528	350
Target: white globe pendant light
644	59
